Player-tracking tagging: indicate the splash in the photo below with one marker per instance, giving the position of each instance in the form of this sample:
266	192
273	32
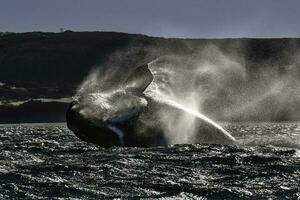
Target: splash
192	114
167	89
197	115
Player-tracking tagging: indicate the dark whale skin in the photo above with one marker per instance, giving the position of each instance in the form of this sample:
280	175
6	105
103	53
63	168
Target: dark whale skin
99	133
88	131
135	133
128	130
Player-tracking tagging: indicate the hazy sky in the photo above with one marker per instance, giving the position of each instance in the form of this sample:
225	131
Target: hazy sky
168	18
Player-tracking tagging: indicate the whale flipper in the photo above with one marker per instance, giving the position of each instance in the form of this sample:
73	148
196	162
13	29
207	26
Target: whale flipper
139	80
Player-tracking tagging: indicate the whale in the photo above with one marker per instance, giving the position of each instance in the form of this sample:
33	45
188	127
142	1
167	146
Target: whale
125	116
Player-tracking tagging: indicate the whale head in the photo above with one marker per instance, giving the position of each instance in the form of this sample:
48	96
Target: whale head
107	118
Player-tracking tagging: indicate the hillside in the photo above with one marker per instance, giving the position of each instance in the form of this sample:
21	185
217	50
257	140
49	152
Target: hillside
51	65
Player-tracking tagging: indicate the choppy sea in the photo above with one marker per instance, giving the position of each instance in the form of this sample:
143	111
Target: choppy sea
46	161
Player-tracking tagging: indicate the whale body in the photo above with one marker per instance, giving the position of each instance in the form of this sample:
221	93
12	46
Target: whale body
128	117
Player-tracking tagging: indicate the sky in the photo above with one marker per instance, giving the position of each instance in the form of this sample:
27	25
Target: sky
166	18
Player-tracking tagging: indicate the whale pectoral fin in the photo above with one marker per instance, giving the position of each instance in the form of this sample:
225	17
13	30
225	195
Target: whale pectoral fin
139	80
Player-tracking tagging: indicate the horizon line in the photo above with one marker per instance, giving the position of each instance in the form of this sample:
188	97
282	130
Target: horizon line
147	35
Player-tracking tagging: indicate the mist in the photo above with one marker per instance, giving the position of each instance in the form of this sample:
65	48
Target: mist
210	82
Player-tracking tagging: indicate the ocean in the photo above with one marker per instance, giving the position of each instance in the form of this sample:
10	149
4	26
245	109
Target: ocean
46	161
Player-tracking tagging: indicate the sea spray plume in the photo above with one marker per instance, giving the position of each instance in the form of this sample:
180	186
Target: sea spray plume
174	85
112	73
269	95
236	87
192	116
190	81
209	72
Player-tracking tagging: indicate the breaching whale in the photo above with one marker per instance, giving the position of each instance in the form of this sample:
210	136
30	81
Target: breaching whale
127	117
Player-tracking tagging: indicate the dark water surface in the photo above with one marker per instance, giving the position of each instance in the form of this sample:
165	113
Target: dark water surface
47	161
